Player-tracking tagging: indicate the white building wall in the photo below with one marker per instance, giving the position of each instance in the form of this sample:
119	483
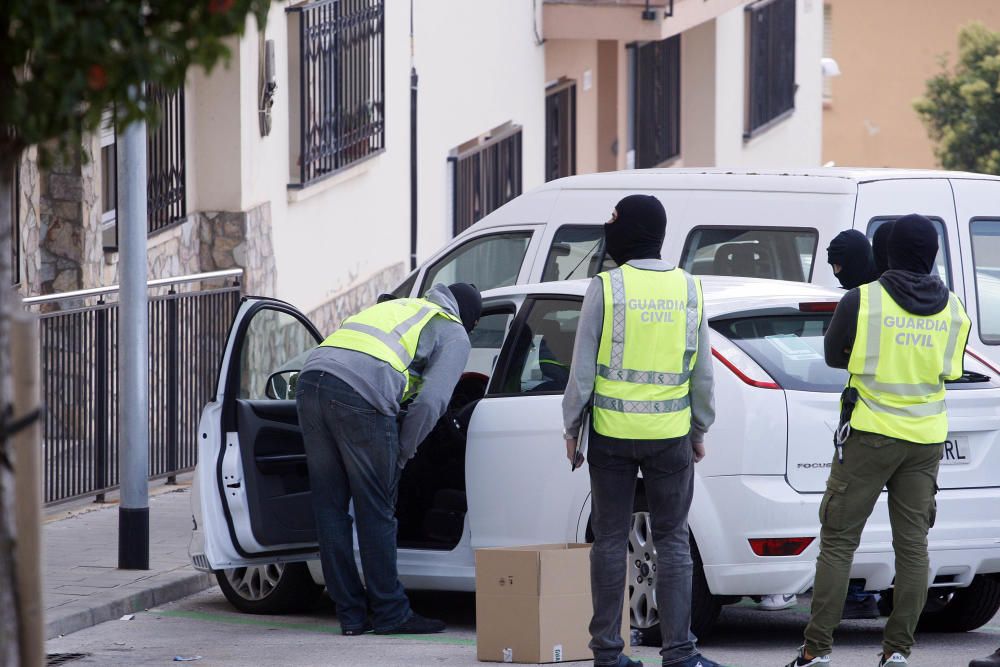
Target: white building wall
795	142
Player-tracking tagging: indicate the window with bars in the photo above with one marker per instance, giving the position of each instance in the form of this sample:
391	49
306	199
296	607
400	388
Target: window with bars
337	80
770	64
656	101
109	184
165	159
486	174
560	129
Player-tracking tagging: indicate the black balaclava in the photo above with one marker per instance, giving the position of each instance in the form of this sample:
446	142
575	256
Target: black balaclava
913	244
851	250
880	246
470	304
636	230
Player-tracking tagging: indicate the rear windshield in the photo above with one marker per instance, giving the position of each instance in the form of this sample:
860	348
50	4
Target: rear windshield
788	347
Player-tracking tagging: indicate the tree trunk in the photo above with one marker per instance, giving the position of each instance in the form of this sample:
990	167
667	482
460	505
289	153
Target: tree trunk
9	640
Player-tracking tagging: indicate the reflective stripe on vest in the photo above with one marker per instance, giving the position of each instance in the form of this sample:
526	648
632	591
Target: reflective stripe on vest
899	364
389	331
646	353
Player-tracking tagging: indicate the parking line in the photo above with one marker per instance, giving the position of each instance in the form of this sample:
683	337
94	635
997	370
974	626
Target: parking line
326	629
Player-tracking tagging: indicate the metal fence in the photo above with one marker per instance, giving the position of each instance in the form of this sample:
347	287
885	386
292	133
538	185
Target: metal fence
657	93
771	84
81	381
487	175
165	159
341	81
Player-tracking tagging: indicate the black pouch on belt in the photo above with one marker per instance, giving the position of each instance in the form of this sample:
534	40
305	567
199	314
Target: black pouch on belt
848	399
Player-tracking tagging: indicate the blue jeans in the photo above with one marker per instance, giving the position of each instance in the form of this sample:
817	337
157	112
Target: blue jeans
668	475
351	451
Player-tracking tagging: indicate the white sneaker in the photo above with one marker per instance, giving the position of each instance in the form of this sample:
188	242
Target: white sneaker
777	602
800	661
894	660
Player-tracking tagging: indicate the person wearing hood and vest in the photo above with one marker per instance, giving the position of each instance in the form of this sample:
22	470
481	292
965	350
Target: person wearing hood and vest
348	396
880	247
900	338
642	359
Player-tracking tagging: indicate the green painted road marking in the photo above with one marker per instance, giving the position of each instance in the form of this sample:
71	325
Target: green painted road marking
325	629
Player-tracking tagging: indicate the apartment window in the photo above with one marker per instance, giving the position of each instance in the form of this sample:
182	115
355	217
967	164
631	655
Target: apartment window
166	172
560	129
827	52
337	79
486	174
656	102
15	226
109	184
770	63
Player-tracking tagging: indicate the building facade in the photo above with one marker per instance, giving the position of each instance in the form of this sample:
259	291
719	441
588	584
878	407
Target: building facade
886	52
294	162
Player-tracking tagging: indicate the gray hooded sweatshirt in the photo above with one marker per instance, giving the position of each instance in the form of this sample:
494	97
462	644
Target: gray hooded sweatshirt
441	356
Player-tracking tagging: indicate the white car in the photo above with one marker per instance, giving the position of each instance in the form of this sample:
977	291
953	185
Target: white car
494	471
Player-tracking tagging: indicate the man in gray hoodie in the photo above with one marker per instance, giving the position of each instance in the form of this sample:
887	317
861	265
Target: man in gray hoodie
349	397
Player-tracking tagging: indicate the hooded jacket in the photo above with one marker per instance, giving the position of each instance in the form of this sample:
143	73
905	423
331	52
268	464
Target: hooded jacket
441	355
851	251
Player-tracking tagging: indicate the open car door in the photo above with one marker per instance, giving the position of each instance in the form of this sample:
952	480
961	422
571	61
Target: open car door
252	476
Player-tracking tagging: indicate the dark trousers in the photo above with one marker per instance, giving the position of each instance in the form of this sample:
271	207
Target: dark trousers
351	451
668	475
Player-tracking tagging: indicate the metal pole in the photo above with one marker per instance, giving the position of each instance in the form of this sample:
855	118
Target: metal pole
133	347
413	147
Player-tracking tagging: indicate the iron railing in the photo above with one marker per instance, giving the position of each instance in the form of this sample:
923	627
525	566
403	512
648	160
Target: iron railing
165	159
81	381
486	175
657	94
341	82
560	130
771	84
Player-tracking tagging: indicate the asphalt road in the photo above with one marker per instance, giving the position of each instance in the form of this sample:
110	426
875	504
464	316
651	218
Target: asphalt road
205	625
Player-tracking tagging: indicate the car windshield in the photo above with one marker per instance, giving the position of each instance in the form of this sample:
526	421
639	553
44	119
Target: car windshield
788	347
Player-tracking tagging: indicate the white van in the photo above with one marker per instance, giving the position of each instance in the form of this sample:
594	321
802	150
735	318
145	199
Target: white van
755	224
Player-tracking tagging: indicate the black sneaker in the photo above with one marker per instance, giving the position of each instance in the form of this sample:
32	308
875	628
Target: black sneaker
415	625
354	632
697	660
988	661
867	608
624	661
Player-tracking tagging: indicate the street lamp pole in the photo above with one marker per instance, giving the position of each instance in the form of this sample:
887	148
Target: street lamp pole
133	348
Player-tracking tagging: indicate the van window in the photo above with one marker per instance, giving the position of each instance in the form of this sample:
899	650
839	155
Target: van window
789	348
486	262
942	261
784	254
576	252
986	259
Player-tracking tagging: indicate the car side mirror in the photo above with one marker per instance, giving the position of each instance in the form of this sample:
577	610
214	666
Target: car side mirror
281	385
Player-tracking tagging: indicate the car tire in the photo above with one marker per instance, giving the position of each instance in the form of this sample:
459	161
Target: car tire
965	609
276	588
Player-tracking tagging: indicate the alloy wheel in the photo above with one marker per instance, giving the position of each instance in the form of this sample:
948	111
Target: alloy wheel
642	572
255	582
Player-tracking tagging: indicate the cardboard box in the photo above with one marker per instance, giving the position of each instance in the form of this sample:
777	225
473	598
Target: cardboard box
533	604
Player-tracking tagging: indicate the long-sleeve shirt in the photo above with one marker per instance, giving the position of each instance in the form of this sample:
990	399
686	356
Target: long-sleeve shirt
583	372
441	355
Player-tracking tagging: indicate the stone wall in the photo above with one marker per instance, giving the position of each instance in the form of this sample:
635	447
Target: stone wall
329	316
240	239
29	205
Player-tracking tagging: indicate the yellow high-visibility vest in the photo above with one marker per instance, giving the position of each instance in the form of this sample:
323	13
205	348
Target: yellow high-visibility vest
389	331
899	363
648	348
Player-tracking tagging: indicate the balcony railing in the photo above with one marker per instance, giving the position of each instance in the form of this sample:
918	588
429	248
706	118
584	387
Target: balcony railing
81	381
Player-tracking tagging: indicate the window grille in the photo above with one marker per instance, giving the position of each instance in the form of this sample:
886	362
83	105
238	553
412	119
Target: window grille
771	63
486	174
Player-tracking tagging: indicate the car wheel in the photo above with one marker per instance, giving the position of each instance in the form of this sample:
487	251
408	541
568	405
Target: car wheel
276	588
964	609
642	576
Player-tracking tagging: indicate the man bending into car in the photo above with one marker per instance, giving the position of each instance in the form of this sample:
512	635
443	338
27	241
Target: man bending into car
348	396
642	360
899	338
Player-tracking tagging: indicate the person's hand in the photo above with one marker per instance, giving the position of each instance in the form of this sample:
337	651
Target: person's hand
571	450
698	447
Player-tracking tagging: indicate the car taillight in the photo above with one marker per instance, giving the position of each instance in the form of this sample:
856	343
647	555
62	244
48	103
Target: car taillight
818	306
780	546
978	357
749	373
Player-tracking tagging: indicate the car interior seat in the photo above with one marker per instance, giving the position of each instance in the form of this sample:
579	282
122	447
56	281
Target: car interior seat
736	259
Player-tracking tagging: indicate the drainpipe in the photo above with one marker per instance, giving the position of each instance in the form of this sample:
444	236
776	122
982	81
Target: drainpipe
413	149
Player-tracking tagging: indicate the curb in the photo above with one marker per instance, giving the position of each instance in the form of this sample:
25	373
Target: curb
185	582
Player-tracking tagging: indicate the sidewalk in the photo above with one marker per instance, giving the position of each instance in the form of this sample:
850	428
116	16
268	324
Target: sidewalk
82	585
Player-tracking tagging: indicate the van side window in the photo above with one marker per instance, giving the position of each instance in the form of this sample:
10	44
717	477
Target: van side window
576	252
486	262
942	261
986	259
784	254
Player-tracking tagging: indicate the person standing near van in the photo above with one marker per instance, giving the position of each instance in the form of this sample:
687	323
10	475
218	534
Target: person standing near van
642	360
348	397
900	338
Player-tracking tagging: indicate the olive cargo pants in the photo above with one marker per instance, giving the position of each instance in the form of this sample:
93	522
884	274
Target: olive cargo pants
909	472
